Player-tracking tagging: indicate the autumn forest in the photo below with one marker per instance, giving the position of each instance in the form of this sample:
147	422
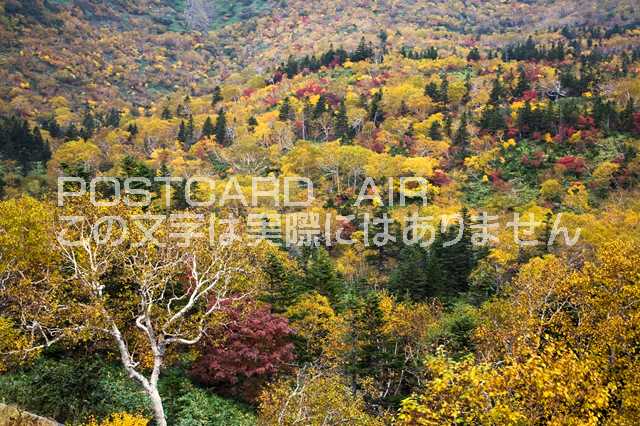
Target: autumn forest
282	212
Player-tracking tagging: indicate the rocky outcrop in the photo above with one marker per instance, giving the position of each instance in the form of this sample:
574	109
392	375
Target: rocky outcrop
13	416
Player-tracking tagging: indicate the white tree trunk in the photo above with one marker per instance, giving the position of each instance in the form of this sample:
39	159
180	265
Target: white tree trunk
150	386
156	405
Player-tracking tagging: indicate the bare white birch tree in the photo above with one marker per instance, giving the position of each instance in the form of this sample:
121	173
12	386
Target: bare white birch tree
139	285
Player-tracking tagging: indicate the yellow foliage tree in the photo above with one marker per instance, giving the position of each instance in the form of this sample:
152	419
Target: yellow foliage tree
121	419
313	399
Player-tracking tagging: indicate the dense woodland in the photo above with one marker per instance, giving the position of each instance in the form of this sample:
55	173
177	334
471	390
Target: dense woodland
526	108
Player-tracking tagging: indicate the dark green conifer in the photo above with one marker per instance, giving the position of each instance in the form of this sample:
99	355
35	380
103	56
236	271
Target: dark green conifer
207	128
216	96
221	129
285	110
182	132
523	84
342	124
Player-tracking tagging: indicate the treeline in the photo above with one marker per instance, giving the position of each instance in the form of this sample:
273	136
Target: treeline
328	119
411	53
331	58
552	117
92	121
558	51
530	50
23	144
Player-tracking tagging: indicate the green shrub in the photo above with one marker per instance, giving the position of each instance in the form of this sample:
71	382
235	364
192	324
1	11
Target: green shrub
455	330
72	391
200	408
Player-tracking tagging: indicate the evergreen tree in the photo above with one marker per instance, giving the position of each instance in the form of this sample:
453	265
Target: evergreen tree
523	84
182	132
600	114
492	119
410	279
71	134
448	124
221	129
626	63
217	96
113	118
132	129
449	265
52	126
88	126
291	68
190	131
549	120
380	253
322	277
207	128
627	122
546	233
383	37
435	132
371	354
463	255
282	289
328	57
375	109
431	90
22	145
285	110
362	52
252	123
570	83
163	171
307	124
443	94
179	198
79	169
130	167
468	86
498	92
321	107
342	124
474	55
435	284
461	138
19	143
525	119
41	150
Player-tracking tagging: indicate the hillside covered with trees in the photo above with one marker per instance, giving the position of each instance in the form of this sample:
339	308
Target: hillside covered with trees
468	252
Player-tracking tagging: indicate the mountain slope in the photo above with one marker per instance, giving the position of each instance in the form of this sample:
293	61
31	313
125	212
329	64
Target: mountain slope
133	52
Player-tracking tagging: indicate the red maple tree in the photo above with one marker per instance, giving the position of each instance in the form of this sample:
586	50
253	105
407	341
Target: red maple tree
240	357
